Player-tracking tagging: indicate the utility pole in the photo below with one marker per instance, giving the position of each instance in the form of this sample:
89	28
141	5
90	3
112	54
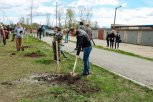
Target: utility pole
56	13
31	13
115	16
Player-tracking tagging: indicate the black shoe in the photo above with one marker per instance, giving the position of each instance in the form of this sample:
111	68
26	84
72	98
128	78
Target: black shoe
56	60
85	74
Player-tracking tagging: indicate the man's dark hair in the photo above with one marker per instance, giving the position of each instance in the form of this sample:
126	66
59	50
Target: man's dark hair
72	29
81	23
20	32
59	29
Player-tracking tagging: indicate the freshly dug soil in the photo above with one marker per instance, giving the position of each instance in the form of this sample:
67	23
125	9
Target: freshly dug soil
80	86
33	55
27	46
56	77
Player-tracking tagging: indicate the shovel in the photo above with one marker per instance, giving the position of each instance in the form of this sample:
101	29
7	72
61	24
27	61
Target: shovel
72	76
74	65
58	63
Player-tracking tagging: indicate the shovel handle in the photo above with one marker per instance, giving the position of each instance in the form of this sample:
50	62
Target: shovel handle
75	65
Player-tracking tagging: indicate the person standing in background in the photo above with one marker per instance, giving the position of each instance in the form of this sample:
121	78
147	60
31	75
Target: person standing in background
89	31
112	38
67	31
108	39
57	38
13	34
18	31
82	27
117	40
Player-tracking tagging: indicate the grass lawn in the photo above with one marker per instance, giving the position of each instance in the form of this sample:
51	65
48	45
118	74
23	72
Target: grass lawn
16	84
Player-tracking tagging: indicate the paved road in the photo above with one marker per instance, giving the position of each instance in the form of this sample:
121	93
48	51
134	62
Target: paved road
134	68
145	51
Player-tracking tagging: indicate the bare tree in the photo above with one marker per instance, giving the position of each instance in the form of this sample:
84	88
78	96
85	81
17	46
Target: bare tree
22	20
60	14
31	12
95	26
70	16
47	19
85	13
27	21
88	14
82	11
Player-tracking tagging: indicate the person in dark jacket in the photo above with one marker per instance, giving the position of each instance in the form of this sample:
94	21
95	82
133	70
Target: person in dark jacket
39	32
57	38
84	42
108	39
117	40
81	26
112	39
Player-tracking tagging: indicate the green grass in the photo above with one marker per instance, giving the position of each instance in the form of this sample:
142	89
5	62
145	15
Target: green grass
100	86
124	52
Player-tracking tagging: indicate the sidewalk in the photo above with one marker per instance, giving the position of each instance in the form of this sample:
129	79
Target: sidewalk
138	70
145	51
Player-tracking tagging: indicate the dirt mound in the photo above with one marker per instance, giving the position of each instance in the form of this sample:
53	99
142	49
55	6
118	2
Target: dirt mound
56	77
78	85
13	53
27	46
34	54
7	83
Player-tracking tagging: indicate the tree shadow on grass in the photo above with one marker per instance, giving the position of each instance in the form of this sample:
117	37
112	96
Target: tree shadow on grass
45	61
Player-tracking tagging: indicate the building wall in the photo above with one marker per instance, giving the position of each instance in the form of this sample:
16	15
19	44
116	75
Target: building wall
101	34
141	37
95	34
105	33
122	35
132	37
147	38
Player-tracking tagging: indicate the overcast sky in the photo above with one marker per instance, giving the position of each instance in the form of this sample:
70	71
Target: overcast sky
133	12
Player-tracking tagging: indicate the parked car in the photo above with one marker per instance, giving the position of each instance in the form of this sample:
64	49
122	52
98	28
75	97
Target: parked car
49	32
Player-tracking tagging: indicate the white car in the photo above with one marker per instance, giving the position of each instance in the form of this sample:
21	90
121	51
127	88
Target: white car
49	32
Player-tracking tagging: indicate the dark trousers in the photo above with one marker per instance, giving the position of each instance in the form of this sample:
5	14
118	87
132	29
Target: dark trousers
4	41
111	44
54	50
13	36
107	43
86	62
76	43
40	35
116	44
66	38
62	52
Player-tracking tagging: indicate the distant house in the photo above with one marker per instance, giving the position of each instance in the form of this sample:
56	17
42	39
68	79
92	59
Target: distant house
134	34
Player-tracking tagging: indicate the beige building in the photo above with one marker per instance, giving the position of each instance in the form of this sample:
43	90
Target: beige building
134	34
